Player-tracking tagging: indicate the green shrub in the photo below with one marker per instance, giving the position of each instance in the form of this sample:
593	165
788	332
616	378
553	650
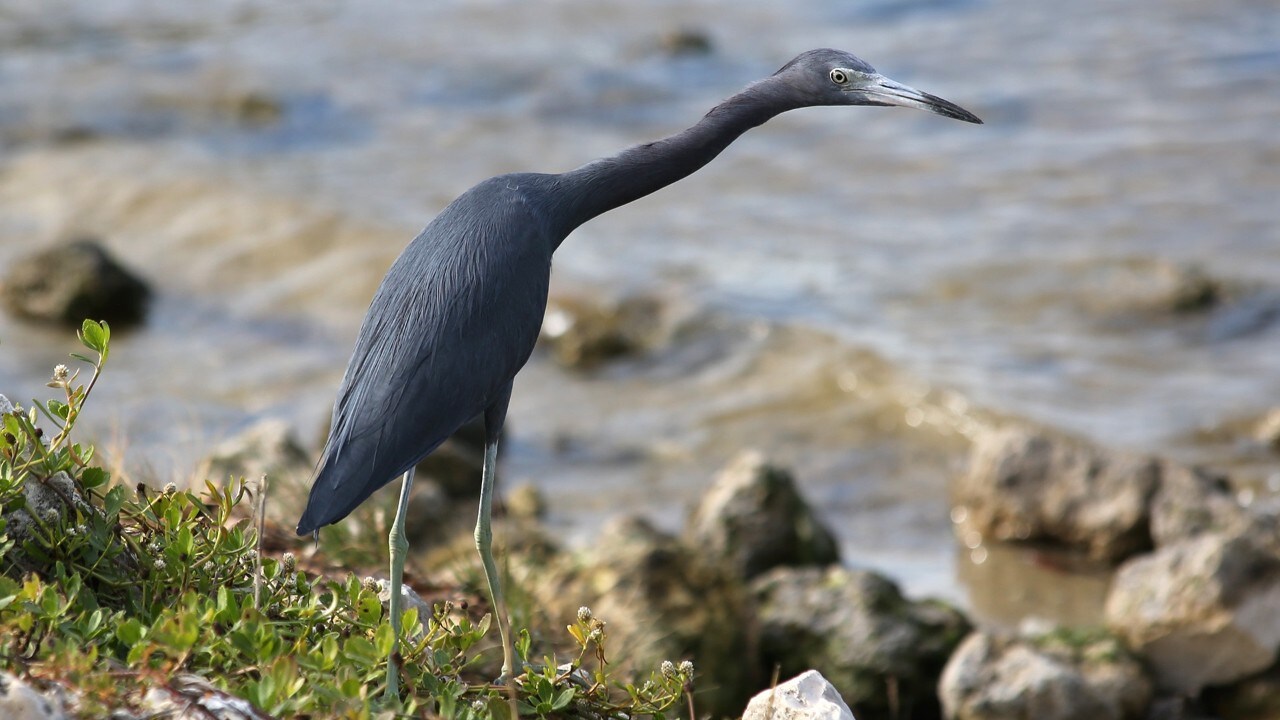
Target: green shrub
113	591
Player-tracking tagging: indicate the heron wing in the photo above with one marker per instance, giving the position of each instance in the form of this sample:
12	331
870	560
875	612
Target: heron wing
455	318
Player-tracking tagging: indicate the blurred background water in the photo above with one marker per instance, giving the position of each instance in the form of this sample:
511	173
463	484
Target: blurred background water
870	286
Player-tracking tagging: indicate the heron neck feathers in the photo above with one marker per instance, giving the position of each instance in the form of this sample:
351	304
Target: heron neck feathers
640	170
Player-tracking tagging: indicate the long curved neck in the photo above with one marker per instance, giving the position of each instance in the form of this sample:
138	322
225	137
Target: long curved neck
611	182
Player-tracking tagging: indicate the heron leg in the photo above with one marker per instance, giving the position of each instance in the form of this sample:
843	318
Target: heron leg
484	543
399	546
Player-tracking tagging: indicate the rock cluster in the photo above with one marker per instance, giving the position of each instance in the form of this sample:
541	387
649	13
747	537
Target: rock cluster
1196	591
268	447
662	601
583	332
71	282
183	697
1047	677
20	701
753	584
1203	611
1026	486
752	519
47	500
883	652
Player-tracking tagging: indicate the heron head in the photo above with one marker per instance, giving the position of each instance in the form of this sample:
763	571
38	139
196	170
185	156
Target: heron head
834	77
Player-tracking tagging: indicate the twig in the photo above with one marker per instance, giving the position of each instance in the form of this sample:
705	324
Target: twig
259	509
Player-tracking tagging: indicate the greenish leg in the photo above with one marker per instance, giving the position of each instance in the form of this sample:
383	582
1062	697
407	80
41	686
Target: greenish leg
399	545
484	543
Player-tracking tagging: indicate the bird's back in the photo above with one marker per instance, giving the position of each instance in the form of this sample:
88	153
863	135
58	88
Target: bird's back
455	318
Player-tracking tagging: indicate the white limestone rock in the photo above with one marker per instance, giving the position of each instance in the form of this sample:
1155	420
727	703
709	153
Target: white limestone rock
808	696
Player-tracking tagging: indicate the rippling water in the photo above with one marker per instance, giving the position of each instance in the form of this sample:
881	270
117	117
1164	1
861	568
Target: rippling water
879	280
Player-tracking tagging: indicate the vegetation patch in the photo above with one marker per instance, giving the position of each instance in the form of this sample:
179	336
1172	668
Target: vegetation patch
111	596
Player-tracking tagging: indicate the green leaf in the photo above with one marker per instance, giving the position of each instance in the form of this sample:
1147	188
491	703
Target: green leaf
112	503
243	644
500	711
409	624
185	541
369	608
523	644
383	639
225	608
329	650
94	477
129	632
173	515
361	650
266	690
57	409
562	699
94	622
49	603
94	336
8	591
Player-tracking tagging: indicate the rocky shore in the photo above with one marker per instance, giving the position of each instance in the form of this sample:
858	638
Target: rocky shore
754	586
753	589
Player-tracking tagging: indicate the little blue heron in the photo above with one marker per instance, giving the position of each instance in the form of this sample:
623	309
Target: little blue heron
458	313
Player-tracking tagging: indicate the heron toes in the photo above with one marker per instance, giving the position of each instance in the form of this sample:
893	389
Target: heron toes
507	677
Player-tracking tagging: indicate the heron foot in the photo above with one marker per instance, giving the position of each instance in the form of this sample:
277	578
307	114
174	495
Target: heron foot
507	677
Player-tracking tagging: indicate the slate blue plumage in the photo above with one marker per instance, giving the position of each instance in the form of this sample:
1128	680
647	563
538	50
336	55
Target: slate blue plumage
458	313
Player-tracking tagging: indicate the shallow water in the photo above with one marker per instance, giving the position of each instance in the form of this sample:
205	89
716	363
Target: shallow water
878	283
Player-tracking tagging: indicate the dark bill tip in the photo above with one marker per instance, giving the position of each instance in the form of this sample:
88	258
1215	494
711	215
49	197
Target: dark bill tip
891	92
946	108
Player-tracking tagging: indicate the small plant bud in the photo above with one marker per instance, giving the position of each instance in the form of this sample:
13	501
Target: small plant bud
170	488
584	614
667	668
289	561
81	529
49	515
251	555
60	373
369	584
39	432
160	564
479	706
595	636
686	668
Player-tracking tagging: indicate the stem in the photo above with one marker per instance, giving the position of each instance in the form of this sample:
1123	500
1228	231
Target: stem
74	405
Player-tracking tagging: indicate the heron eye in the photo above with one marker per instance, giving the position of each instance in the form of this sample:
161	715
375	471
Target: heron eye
839	76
